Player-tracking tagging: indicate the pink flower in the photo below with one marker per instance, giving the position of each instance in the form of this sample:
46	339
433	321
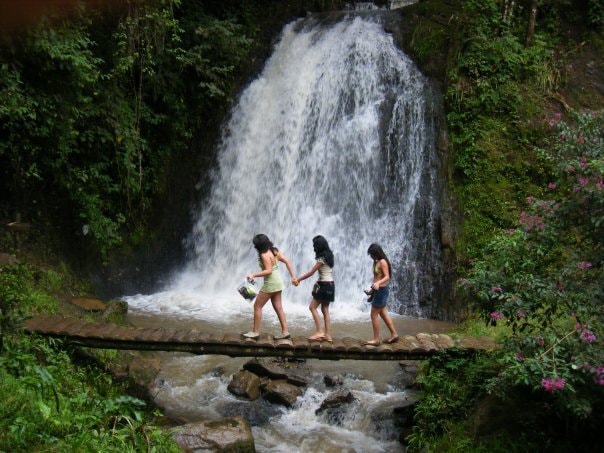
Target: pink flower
600	185
582	162
580	139
496	289
521	314
583	181
496	315
584	265
553	384
552	186
520	356
588	336
540	341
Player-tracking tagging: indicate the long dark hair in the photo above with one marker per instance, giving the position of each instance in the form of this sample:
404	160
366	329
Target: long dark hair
262	243
376	253
322	250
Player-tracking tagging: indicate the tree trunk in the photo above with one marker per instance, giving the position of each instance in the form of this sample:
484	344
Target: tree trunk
530	29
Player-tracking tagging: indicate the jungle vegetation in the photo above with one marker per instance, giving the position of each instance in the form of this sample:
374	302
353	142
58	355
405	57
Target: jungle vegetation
103	109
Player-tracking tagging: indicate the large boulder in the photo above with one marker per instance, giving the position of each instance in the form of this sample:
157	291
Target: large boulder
245	384
229	434
274	372
336	399
281	392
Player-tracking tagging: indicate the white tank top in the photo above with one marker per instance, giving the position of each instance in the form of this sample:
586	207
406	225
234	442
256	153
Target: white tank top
325	271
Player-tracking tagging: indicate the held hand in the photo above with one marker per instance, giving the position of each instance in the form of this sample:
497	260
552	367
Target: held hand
250	278
295	281
375	286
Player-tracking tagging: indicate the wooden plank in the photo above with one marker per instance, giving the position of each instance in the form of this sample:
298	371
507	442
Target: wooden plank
265	340
338	345
284	344
352	344
231	338
444	341
300	343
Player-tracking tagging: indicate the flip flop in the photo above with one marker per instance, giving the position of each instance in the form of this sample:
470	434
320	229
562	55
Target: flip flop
286	336
251	335
394	339
316	338
371	343
328	340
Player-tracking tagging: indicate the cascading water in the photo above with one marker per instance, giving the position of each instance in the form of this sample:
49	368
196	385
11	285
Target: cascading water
335	137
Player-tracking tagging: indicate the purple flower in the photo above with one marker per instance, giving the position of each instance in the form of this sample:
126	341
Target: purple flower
584	265
582	162
600	185
521	314
496	315
553	384
496	289
520	356
552	185
583	181
588	336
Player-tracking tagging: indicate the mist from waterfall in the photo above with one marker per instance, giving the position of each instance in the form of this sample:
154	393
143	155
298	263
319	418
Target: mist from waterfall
334	137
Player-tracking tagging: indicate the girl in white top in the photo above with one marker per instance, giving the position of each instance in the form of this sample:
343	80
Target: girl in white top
324	289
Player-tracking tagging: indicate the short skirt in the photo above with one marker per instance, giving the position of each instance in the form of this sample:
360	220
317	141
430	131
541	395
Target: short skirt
324	291
380	297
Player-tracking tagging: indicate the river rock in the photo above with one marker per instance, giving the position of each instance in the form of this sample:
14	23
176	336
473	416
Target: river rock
116	311
333	381
89	304
336	399
229	434
264	369
245	384
274	372
144	370
281	392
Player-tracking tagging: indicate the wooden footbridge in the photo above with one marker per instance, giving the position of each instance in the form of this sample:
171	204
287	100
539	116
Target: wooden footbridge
112	336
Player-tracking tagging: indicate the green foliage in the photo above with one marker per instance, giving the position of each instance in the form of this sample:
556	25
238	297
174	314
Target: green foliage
451	384
544	280
48	404
94	109
494	79
21	295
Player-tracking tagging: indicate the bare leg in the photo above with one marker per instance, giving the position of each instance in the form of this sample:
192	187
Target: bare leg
315	316
388	321
375	323
327	318
276	301
261	300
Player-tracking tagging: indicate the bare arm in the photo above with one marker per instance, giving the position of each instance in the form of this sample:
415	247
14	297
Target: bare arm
281	257
267	268
314	269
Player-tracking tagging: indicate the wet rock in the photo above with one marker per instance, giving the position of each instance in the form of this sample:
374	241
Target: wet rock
264	369
144	370
245	384
333	381
336	399
115	312
274	372
281	392
8	259
229	434
89	304
403	419
258	412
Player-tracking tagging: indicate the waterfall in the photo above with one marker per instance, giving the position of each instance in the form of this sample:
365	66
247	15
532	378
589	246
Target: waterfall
334	137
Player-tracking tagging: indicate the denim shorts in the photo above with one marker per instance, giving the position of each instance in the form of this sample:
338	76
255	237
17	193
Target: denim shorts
380	298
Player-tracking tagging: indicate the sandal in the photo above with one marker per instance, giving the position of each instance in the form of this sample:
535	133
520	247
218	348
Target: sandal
371	343
284	336
317	337
329	340
394	339
251	335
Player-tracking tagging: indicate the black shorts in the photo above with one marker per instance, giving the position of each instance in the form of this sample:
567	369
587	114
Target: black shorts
324	291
